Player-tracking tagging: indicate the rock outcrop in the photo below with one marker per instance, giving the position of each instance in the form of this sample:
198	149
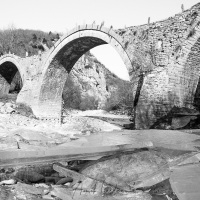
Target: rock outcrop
90	85
4	86
86	84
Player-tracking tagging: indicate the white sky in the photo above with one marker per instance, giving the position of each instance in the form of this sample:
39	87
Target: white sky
63	15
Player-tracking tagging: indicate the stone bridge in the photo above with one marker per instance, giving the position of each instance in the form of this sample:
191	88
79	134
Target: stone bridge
162	58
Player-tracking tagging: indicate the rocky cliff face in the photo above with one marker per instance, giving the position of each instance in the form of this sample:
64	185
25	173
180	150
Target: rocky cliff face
89	85
85	87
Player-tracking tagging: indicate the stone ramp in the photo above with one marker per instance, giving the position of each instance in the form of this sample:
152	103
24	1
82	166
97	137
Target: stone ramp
185	182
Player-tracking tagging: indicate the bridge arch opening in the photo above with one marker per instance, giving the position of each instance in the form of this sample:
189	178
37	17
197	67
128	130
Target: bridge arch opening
10	80
61	60
94	83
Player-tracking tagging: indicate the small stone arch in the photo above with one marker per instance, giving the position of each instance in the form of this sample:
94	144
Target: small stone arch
9	66
13	59
62	57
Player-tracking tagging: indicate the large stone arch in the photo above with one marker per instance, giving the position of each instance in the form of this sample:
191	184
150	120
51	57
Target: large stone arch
62	58
9	66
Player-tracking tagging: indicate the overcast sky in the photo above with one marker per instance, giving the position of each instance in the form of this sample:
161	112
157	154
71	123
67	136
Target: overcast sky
63	15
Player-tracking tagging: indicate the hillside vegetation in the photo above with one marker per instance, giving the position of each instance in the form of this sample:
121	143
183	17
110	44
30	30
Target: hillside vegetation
19	41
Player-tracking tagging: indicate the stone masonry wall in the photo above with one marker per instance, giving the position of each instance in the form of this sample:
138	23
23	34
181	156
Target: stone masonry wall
89	78
4	87
174	49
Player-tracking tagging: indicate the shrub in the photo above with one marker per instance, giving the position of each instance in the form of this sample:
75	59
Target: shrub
24	110
71	95
19	41
121	98
89	103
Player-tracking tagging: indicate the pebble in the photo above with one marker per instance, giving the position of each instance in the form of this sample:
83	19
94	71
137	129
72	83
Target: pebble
8	182
64	181
41	185
29	189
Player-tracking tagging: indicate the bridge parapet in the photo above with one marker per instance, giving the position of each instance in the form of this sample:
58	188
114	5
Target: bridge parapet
10	55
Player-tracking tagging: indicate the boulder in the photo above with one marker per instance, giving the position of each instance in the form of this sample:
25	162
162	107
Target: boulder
178	118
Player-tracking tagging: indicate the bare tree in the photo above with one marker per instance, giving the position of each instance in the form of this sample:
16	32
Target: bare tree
7	39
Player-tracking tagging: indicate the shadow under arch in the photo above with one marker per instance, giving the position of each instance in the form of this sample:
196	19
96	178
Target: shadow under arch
11	75
61	59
